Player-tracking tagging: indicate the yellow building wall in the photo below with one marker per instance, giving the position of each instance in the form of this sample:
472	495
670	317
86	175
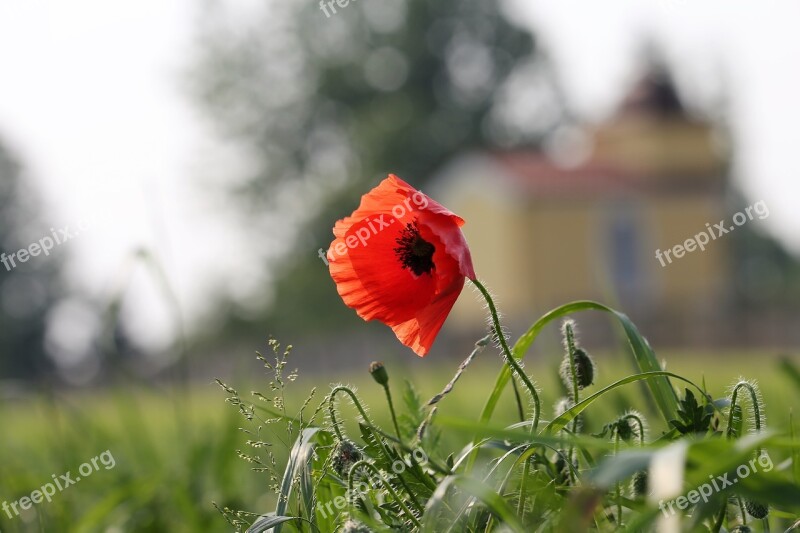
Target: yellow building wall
537	256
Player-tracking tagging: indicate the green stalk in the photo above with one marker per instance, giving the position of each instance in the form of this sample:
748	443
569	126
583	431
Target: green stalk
508	357
571	349
742	510
720	517
391	410
512	362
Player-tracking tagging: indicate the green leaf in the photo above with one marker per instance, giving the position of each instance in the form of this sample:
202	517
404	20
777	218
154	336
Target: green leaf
267	522
560	422
694	418
301	455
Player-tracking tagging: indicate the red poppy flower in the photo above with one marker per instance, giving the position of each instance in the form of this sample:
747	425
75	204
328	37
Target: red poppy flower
401	258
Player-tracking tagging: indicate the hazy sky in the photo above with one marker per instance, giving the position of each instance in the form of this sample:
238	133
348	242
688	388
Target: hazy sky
91	99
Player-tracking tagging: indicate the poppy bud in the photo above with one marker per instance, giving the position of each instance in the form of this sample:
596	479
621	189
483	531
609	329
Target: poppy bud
344	455
584	370
626	429
756	509
379	373
639	484
631	426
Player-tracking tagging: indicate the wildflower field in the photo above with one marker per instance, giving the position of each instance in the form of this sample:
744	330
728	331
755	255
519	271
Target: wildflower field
159	461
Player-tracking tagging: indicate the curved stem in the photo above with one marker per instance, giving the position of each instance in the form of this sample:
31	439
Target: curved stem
508	356
512	362
386	485
332	408
756	408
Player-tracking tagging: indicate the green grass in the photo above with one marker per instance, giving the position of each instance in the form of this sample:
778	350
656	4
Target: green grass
176	452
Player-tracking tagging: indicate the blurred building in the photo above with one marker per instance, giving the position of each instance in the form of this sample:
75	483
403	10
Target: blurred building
583	217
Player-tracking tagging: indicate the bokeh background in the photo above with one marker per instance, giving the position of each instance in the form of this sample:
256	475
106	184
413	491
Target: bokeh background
199	153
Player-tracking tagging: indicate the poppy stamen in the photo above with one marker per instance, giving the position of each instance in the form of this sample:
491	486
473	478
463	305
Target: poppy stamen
414	252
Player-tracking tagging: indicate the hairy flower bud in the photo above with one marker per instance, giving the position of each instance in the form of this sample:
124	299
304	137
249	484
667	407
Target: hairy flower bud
639	484
584	370
631	426
344	455
756	509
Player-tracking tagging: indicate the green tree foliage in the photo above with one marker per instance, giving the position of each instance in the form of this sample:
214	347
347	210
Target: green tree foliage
325	106
28	289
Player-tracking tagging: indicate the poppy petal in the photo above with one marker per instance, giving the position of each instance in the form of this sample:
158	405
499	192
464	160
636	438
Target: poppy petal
370	278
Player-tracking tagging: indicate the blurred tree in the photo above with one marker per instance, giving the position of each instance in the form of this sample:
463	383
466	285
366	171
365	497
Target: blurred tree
27	290
327	100
766	275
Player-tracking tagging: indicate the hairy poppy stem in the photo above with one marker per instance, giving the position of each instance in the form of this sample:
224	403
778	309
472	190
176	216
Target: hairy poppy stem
379	373
509	357
754	399
332	408
570	335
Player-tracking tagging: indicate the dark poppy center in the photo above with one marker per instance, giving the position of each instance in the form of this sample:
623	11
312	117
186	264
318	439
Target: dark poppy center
414	252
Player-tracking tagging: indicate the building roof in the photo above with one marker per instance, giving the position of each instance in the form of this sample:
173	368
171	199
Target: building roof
536	174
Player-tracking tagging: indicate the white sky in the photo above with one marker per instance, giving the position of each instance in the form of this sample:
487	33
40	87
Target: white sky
91	100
